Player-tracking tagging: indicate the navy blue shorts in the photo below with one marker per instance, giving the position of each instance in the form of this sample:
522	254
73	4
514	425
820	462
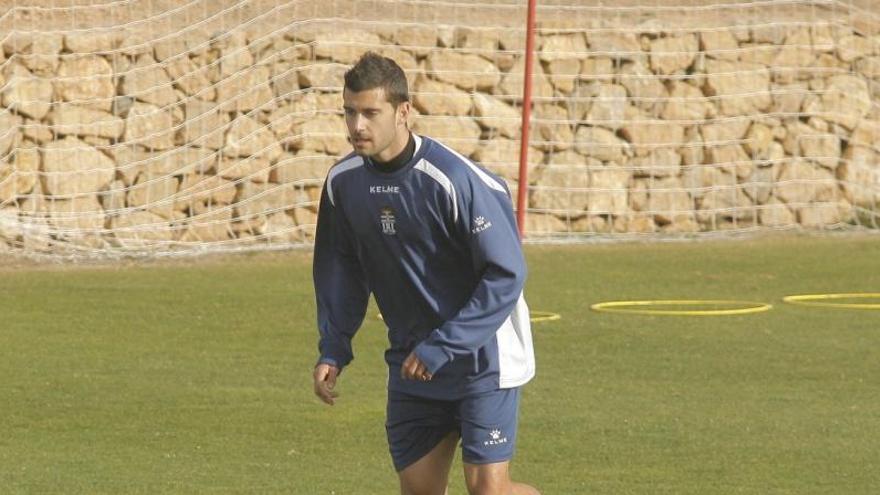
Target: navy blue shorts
485	422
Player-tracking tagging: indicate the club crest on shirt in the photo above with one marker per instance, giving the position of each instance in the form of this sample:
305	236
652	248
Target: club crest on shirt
387	218
480	224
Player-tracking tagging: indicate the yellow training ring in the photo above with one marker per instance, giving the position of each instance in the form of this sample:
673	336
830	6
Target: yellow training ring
633	307
538	316
815	300
535	316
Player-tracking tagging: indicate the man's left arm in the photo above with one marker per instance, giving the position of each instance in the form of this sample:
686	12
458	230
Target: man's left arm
489	224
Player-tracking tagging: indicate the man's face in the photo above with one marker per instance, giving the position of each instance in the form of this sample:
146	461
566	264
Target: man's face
374	125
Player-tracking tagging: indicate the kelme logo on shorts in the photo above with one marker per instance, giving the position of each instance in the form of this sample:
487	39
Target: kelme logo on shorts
495	438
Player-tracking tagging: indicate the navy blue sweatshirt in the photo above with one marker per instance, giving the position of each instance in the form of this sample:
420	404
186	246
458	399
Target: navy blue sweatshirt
436	243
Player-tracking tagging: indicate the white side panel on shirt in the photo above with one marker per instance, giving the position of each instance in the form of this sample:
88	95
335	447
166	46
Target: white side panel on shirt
516	354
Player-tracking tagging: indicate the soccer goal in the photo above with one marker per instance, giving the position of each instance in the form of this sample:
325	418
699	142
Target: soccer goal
160	127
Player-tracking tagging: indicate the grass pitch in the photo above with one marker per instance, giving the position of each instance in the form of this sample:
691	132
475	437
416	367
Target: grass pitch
194	377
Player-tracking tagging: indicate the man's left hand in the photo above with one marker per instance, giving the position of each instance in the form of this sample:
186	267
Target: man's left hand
414	369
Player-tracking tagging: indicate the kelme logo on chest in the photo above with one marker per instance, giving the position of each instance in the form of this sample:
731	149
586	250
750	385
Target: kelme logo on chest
384	189
386	217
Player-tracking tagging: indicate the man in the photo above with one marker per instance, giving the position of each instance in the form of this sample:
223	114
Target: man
433	237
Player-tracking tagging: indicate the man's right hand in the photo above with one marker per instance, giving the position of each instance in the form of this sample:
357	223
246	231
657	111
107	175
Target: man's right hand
325	380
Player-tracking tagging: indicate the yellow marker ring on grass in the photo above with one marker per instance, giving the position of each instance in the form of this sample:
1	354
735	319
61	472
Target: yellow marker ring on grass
536	316
815	300
632	307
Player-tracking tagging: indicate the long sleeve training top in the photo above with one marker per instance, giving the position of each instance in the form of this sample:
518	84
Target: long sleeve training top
436	244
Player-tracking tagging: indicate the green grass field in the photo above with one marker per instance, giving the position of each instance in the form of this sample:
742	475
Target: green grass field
193	376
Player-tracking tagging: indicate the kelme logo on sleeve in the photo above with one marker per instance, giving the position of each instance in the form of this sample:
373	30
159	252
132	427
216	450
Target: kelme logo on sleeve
480	224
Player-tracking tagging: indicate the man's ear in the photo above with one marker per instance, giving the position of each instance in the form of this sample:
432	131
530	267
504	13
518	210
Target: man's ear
403	113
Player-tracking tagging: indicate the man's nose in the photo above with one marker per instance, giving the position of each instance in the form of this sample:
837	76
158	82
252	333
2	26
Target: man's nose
360	123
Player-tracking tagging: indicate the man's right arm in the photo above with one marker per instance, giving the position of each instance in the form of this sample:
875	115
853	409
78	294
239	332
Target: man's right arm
341	288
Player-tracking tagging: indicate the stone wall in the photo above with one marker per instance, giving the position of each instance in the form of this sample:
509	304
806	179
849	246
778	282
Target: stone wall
110	142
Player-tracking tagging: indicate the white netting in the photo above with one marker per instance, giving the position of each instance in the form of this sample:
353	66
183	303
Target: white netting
162	127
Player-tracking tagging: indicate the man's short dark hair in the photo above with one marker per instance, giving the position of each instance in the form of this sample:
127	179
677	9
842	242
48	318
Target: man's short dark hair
375	71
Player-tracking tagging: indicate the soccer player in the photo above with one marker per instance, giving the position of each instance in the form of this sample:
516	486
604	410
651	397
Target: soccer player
433	237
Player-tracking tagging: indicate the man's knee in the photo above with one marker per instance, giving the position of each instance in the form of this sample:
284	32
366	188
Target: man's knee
488	479
429	480
421	489
494	479
523	489
501	488
484	487
429	475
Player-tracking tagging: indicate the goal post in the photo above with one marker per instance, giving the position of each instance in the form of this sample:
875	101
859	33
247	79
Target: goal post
525	125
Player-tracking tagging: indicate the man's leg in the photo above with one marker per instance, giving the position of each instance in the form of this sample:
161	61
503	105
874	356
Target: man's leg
430	474
422	436
488	440
494	479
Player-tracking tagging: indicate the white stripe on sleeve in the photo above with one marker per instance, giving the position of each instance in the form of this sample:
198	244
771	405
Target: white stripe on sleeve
353	162
444	181
489	181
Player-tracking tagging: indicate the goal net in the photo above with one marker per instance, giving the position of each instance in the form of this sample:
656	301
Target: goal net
160	127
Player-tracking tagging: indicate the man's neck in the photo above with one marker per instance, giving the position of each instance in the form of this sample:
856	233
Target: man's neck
394	149
399	160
